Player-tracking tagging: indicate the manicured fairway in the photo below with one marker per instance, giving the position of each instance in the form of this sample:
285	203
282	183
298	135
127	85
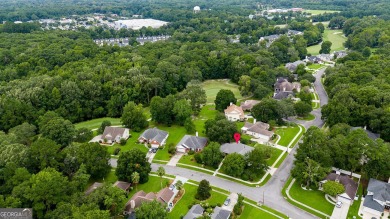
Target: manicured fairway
213	86
317	12
95	123
335	36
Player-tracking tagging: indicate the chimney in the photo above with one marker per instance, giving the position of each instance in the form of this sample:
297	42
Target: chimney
254	121
196	133
389	180
231	103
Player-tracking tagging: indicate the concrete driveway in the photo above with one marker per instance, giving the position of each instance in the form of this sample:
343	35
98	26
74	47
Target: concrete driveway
233	200
341	213
175	159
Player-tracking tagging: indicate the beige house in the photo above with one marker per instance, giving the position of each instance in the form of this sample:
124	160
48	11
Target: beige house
257	130
234	113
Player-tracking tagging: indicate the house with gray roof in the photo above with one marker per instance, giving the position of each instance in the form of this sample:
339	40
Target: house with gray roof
247	105
113	135
284	89
292	66
377	199
191	143
195	212
220	213
154	136
257	130
239	148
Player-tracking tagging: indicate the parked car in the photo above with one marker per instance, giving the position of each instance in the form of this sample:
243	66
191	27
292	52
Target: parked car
227	202
339	204
172	187
152	150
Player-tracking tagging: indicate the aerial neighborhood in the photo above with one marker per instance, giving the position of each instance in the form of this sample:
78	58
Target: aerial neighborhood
180	110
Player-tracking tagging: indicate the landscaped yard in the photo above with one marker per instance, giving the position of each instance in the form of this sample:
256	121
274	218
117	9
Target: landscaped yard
335	36
95	123
213	86
275	153
207	112
132	142
287	134
314	198
176	133
315	66
308	117
190	160
181	208
252	212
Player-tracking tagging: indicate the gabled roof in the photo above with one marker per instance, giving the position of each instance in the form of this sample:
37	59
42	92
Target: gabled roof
248	104
229	148
110	133
259	128
93	187
164	195
220	213
283	95
154	134
122	185
195	212
380	189
138	198
349	184
234	109
369	202
193	142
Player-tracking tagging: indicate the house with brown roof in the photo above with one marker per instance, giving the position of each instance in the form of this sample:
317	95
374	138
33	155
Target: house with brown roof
164	196
113	135
257	130
125	186
349	184
285	89
234	113
93	187
249	104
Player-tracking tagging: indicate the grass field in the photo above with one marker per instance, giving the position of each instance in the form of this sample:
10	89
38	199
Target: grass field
176	133
207	112
181	208
287	134
317	12
132	142
335	36
315	199
95	123
252	212
153	185
213	86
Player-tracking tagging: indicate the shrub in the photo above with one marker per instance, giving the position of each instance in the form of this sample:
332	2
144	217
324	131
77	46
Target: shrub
123	141
198	158
171	148
191	152
116	151
333	188
203	191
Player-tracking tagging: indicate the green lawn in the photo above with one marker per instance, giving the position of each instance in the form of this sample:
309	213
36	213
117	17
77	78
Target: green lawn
95	123
275	153
181	208
354	209
153	185
207	112
176	133
281	160
194	168
213	86
252	212
132	142
110	178
308	117
287	134
315	66
314	198
317	12
190	160
335	36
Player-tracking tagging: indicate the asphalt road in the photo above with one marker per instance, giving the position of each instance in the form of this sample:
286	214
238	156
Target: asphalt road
269	194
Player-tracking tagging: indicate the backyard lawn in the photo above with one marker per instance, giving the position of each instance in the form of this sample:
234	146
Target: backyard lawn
335	36
315	199
153	185
95	123
252	212
213	86
207	112
132	142
287	134
110	178
315	66
176	133
181	208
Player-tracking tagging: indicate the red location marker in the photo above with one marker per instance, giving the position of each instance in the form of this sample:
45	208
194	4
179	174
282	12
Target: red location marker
237	137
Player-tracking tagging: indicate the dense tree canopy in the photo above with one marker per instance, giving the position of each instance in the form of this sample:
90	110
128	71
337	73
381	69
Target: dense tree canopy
133	161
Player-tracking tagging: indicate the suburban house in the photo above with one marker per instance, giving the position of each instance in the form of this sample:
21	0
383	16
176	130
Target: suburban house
164	196
257	130
93	187
195	212
249	104
269	39
313	59
234	113
229	148
292	33
154	136
125	186
191	143
292	66
339	54
325	57
285	89
220	213
350	185
113	135
377	199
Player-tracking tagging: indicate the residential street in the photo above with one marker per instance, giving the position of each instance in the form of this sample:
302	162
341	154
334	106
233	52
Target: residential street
272	190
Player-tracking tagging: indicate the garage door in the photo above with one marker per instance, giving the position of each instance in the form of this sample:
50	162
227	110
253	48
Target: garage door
181	150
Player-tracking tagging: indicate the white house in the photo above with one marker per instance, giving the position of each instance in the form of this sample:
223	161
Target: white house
257	130
234	113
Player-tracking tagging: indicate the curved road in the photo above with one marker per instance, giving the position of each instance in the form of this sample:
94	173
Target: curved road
271	192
